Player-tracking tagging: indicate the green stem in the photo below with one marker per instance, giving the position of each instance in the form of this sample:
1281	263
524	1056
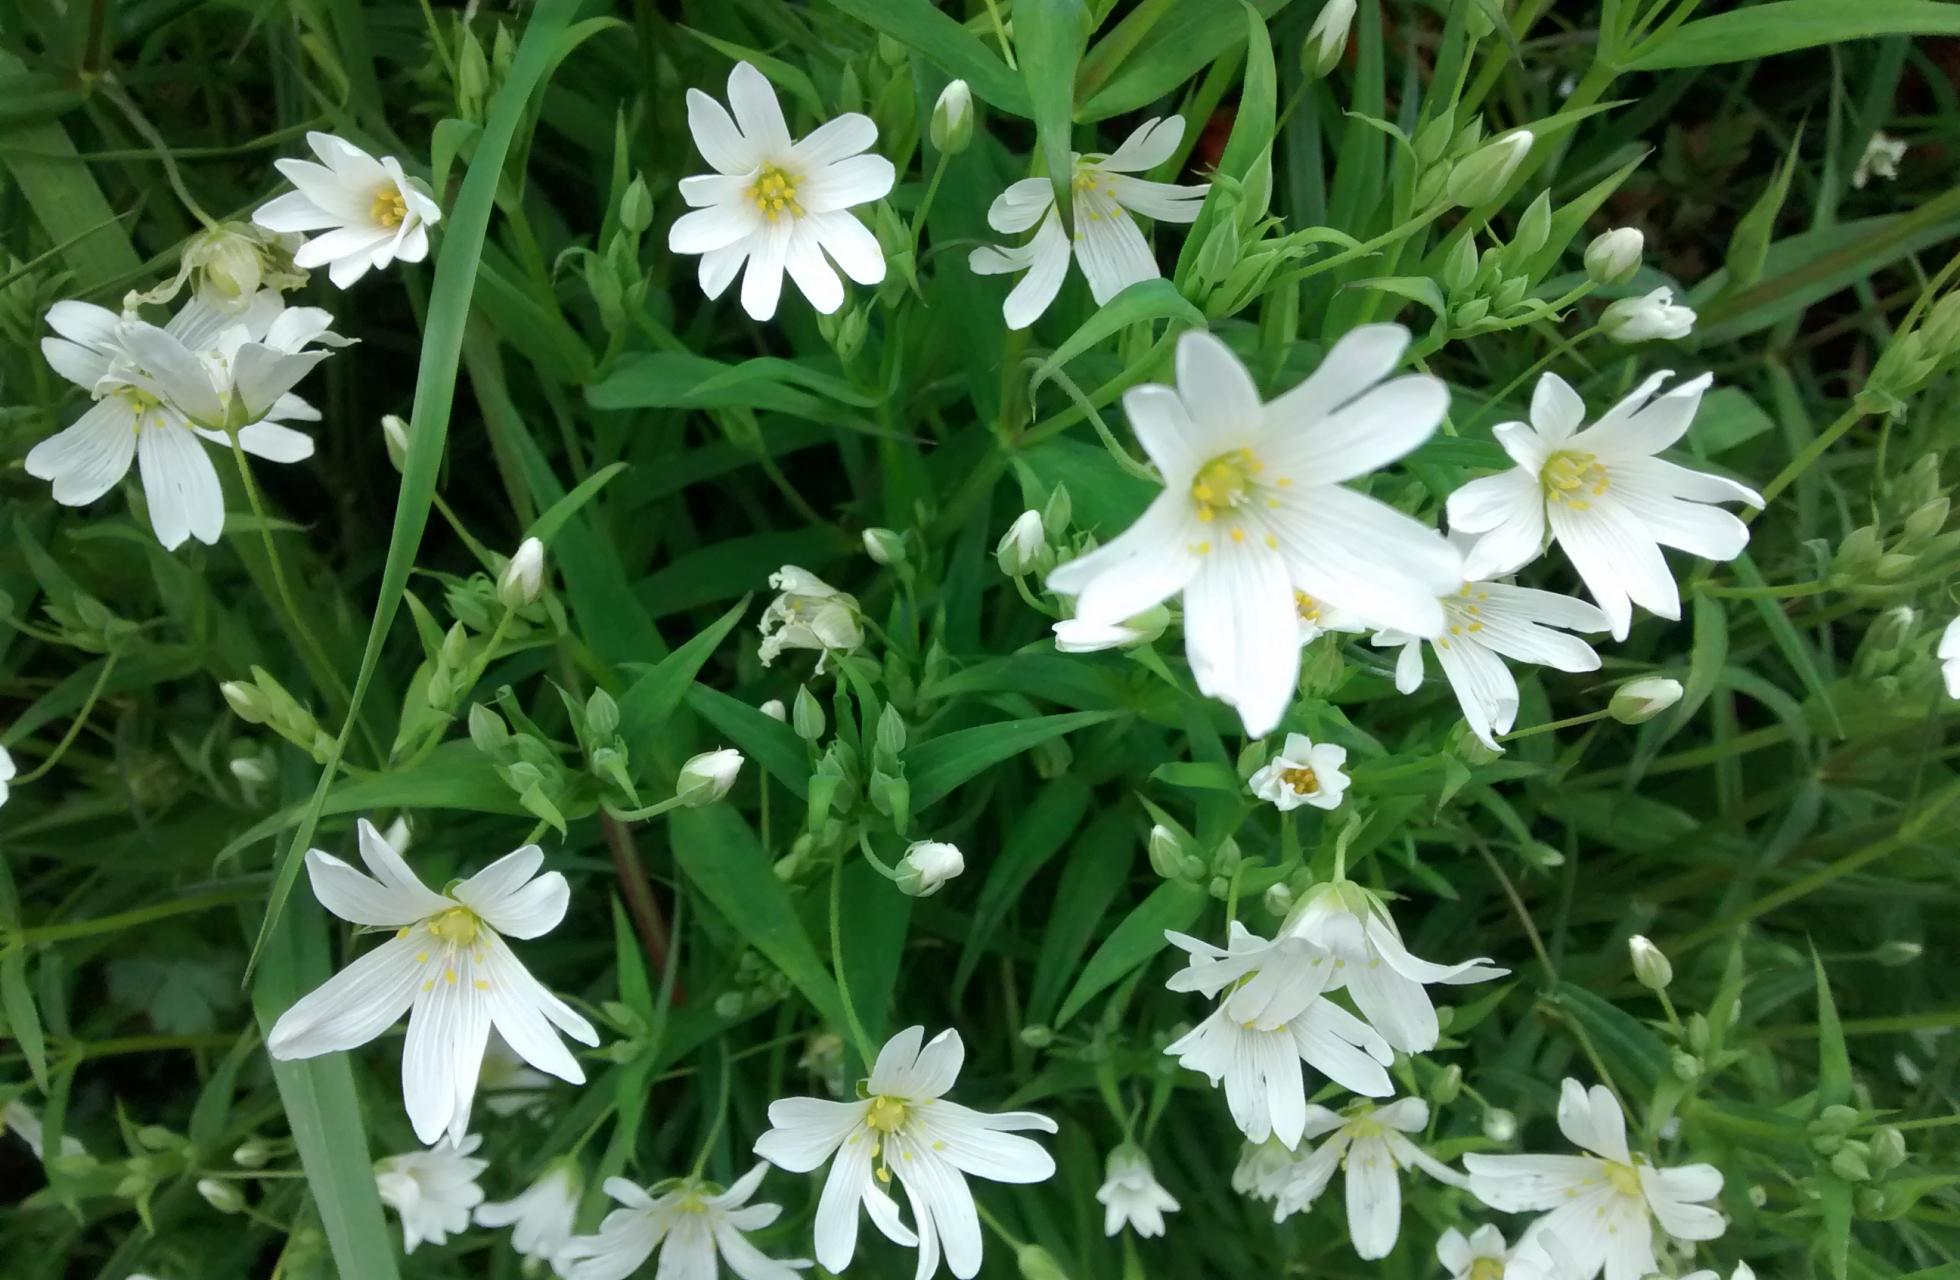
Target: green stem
75	726
925	202
858	1033
48	933
1551	725
641	815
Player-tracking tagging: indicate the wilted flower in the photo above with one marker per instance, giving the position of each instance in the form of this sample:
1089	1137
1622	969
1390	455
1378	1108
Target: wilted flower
951	127
1303	773
1638	701
1651	316
432	1191
927	866
523	577
1614	255
1880	159
808	614
1131	1195
707	777
373	214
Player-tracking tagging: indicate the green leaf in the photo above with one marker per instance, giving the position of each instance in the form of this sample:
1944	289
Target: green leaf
944	42
1765	30
1036	836
770	743
680	380
23	1019
1186	36
1141	303
554	517
1171	905
1098	864
1625	1044
936	766
1833	1058
659	693
1251	139
1048	36
874	945
57	185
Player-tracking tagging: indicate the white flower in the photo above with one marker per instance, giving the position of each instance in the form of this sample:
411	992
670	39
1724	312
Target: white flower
692	1223
1327	38
432	1191
1605	495
905	1128
133	421
1258	1162
227	373
1638	701
1482	1256
1949	656
1317	619
1079	635
523	576
1022	545
1880	159
372	213
509	1085
775	710
1603	1205
1651	316
708	777
1370	1144
1613	256
1490	621
808	614
18	1117
927	866
448	967
543	1215
1131	1195
1109	247
1256	1038
6	773
1742	1271
1303	773
1386	983
1254	509
777	204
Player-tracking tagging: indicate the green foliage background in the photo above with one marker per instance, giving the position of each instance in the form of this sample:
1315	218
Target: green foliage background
1786	833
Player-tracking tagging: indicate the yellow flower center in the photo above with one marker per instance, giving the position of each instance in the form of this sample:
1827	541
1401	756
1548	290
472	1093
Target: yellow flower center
1302	780
1573	478
1487	1269
457	926
692	1203
389	207
1465	611
887	1115
774	193
1224	483
1624	1178
1306	606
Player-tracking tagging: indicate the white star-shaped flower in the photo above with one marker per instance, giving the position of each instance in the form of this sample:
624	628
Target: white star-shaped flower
1371	1144
373	214
1131	1196
776	204
1104	196
693	1223
432	1191
1255	509
905	1128
1304	772
447	967
1605	495
1482	1255
1604	1204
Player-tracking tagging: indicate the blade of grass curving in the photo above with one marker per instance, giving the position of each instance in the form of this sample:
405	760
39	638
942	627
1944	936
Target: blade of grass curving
435	389
1048	35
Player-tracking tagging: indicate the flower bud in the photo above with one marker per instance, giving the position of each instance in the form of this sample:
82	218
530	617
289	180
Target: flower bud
636	206
1480	177
1638	701
1650	967
1850	1165
808	718
1643	319
246	702
1021	547
601	715
1895	953
1327	38
1686	1066
884	546
221	1195
254	770
1888	1149
1166	854
707	777
523	577
1500	1125
1037	1035
1941	327
951	128
1444	1089
1614	255
1279	899
775	710
927	866
487	729
253	1153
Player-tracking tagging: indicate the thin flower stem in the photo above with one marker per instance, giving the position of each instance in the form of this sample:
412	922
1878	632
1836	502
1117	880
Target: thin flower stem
1033	602
75	726
1517	905
147	131
721	1114
641	815
884	869
48	933
641	906
1551	725
1000	34
993	1224
925	201
858	1033
1565	345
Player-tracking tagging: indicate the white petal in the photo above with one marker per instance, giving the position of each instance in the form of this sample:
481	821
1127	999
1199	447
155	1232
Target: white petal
814	277
172	371
1366	558
1619	561
1363	357
1235	608
837	1208
1021	205
858	180
1374	1199
433	1056
1219	393
835	139
1511	509
84	323
721	144
753	100
344	245
485	891
1148	563
358	899
352	1007
262	374
850	245
1150	144
87	459
938	1065
80	365
1047	263
806	1131
1369	433
1164	428
951	1201
181	486
1485	689
715	227
1649	429
703	190
1164	201
1556	409
524	1013
762	283
275	443
1109	247
892	1074
720	267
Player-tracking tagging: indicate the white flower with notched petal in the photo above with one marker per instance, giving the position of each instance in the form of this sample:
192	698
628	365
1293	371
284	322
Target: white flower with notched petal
1131	1195
1272	1021
132	422
372	213
448	967
906	1128
542	1216
1104	194
808	614
1603	1205
1490	621
1371	1144
692	1223
1386	983
1254	509
432	1191
1949	656
1304	772
776	204
1743	1271
1605	495
1482	1256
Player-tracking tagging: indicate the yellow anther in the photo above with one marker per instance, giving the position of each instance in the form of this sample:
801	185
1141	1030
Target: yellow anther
402	932
389	207
421	957
1238	534
1566	474
481	985
1224	483
887	1115
1625	1179
774	194
457	926
1306	606
449	976
1302	780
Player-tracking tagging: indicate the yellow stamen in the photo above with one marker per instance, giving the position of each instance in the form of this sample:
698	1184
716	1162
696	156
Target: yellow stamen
389	207
457	926
774	193
1566	475
887	1115
1625	1179
1302	780
1224	483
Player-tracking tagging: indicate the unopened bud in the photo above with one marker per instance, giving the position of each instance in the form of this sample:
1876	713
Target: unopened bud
775	710
707	777
884	546
1037	1035
1481	176
221	1195
246	702
1638	701
1888	1150
1279	899
1020	548
1650	967
487	729
394	437
1500	1125
1614	256
1447	1085
1166	854
951	127
1686	1066
807	718
1850	1165
523	578
927	866
636	206
1327	38
1896	952
601	715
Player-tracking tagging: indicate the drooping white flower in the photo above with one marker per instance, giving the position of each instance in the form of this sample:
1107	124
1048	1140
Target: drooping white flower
1255	508
373	214
6	773
447	967
1949	656
1880	159
1254	1041
808	613
1258	1162
134	420
1079	635
18	1117
1605	495
1131	1196
905	1128
542	1216
1490	621
1386	983
692	1222
708	777
1482	1256
432	1191
1650	316
1105	195
1304	772
1602	1205
927	866
1371	1144
776	204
